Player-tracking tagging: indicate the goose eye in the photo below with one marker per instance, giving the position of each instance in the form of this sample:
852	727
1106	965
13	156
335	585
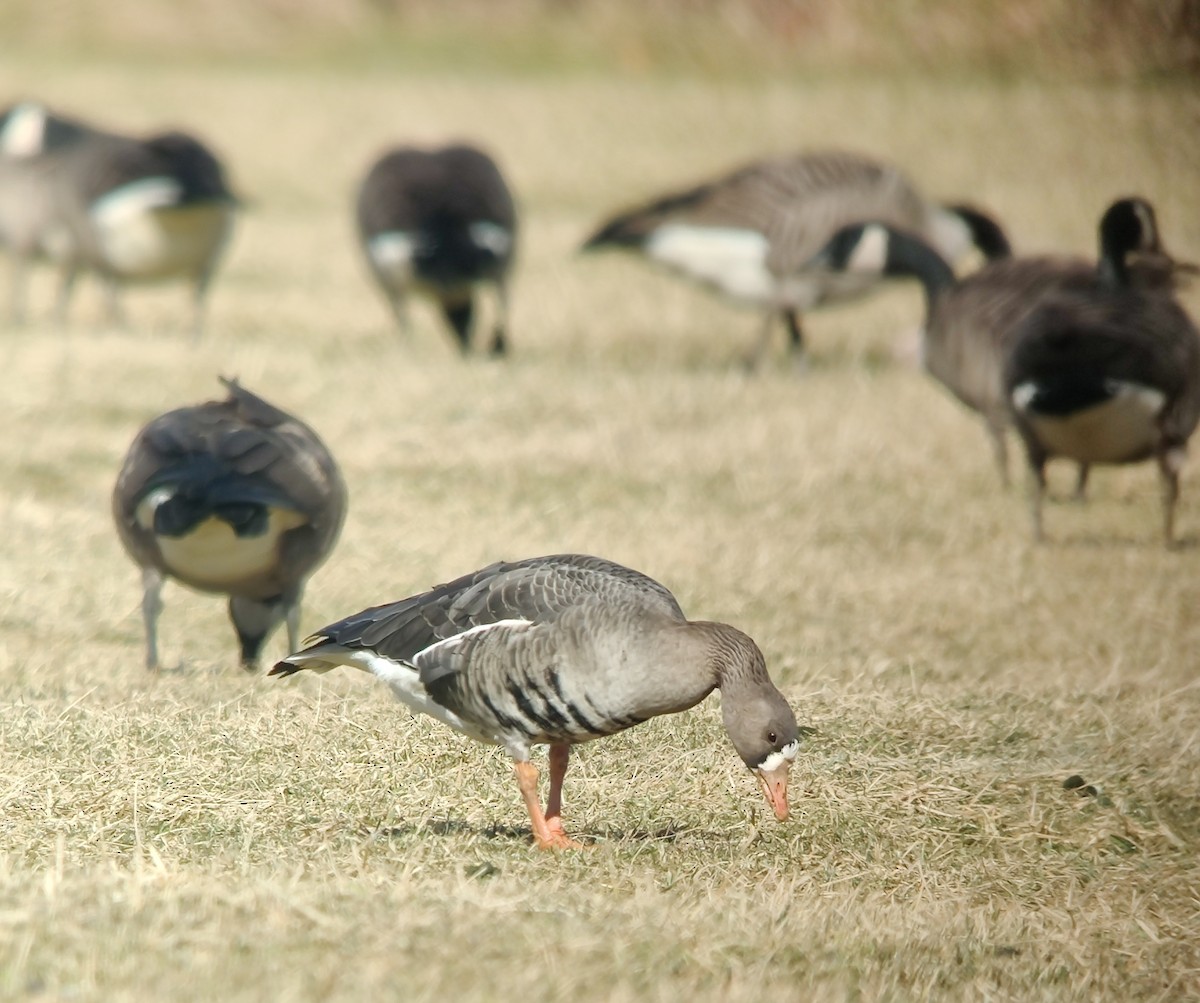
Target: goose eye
771	737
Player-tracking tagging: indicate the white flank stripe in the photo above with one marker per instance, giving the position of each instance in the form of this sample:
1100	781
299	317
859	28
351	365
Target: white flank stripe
733	260
452	642
777	759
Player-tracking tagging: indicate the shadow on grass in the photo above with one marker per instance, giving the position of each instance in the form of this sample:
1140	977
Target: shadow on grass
1097	541
507	833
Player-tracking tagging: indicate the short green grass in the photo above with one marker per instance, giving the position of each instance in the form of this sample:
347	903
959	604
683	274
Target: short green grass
205	834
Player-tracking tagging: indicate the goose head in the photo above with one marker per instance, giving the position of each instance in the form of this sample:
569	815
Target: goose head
765	735
759	721
1128	226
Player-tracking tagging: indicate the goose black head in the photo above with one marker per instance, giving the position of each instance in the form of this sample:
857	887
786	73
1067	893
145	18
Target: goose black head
1127	227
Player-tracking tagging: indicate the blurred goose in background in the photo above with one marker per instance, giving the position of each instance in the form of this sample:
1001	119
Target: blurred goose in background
561	650
440	223
145	210
235	497
34	142
751	234
971	323
1109	374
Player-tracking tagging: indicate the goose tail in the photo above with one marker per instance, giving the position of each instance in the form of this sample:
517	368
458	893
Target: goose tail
319	657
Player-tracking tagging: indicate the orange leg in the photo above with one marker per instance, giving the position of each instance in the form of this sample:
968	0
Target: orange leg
545	835
559	755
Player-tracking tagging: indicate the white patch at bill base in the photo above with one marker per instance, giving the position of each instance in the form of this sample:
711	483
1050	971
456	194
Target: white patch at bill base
1120	429
776	759
732	260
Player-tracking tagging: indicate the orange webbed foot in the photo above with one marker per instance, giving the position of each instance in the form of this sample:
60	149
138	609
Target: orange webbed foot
556	838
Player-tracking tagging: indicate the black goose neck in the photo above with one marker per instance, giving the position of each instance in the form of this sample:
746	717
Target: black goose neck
909	256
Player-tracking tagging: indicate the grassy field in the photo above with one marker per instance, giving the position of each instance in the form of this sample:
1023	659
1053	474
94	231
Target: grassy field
205	834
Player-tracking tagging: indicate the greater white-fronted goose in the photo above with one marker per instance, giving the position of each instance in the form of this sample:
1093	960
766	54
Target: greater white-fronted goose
441	223
1106	375
33	145
970	323
146	210
561	650
235	497
751	234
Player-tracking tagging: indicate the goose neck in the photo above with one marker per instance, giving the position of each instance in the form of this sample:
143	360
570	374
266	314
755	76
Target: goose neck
910	256
731	658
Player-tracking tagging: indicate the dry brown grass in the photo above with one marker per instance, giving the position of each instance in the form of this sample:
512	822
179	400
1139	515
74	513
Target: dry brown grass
1059	39
205	834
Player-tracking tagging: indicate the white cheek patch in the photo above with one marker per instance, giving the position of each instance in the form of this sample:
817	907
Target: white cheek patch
776	759
949	234
24	134
1148	238
870	253
732	260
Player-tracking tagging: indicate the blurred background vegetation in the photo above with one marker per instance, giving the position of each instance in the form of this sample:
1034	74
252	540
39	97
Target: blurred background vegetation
1128	40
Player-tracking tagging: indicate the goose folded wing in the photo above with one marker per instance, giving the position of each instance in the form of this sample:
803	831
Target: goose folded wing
537	590
490	656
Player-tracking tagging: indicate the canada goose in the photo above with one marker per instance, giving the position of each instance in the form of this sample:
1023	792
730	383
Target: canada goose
441	223
970	323
146	210
561	650
235	497
1106	375
750	234
33	144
